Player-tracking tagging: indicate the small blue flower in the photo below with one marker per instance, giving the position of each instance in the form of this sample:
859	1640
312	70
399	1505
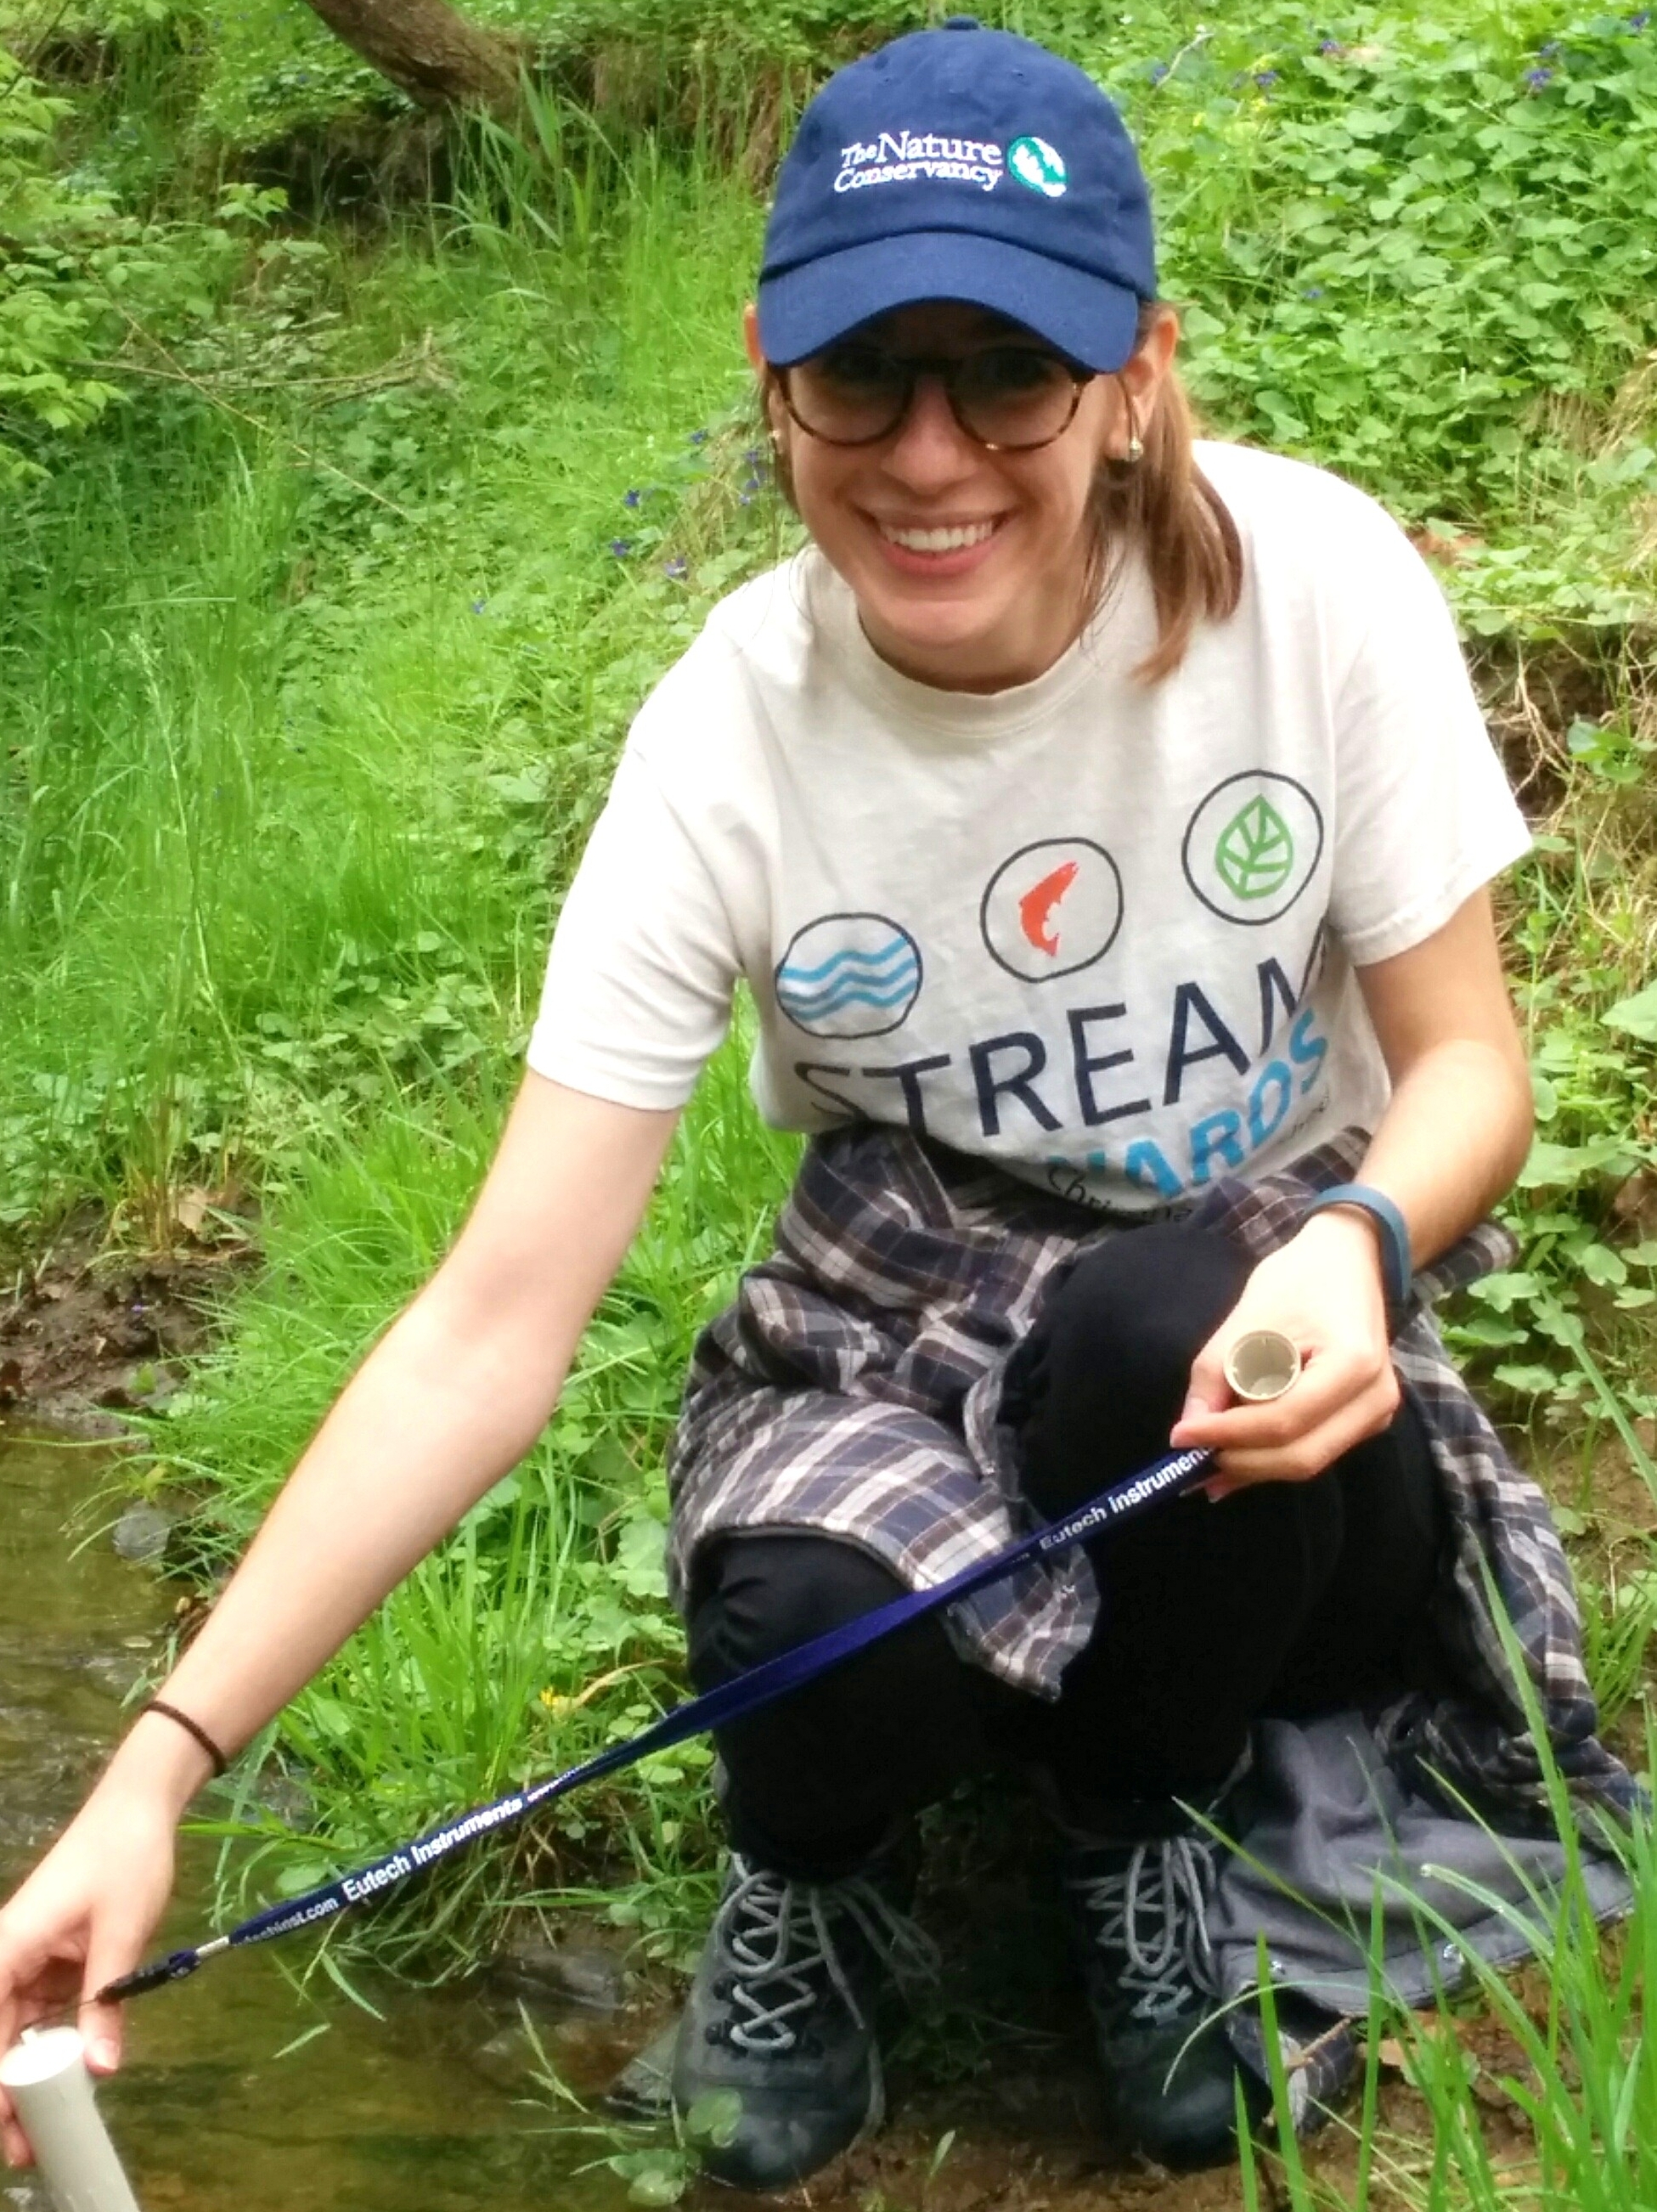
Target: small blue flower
479	607
1312	292
631	498
753	455
751	486
1158	71
745	499
1638	23
1265	79
1536	78
677	567
1332	48
697	438
621	547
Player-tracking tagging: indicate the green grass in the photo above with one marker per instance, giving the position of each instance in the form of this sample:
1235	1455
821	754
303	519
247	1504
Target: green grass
299	758
290	769
467	1679
1559	2052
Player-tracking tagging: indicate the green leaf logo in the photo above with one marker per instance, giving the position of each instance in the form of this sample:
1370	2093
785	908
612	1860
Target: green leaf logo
1256	854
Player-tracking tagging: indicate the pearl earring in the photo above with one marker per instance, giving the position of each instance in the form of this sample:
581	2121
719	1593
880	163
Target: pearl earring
1136	447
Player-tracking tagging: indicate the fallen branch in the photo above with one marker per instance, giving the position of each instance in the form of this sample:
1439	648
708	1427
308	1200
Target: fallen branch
418	365
180	374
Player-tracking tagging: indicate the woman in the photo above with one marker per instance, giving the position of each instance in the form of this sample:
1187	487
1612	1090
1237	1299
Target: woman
1104	829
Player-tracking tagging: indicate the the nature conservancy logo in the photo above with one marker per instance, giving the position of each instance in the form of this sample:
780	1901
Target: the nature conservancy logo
904	157
1039	166
900	157
1253	846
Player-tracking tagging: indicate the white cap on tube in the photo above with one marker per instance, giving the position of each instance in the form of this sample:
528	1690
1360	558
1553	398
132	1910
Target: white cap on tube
46	2077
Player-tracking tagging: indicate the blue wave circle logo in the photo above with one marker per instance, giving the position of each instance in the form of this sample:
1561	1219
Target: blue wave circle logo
849	975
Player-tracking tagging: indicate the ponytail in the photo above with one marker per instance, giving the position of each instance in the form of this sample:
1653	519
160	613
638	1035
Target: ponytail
1164	507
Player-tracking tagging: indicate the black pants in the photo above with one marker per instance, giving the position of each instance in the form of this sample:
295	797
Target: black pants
1287	1598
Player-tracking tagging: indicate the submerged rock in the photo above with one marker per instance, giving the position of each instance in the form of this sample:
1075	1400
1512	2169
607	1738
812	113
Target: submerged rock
285	1796
643	2090
567	1977
507	2060
142	1532
582	2054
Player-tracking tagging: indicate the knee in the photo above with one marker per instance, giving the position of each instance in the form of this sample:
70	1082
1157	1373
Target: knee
755	1595
1100	1382
1149	1299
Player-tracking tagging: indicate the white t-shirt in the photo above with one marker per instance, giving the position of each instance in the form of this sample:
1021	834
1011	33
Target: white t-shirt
1099	931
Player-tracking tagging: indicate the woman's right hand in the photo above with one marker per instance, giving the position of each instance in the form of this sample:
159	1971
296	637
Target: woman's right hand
84	1917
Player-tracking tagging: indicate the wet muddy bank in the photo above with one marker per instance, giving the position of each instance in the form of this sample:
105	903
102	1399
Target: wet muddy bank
90	1329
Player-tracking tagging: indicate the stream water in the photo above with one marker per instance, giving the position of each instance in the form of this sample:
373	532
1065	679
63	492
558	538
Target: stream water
391	2115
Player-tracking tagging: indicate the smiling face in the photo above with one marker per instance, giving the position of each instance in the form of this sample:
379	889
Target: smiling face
967	566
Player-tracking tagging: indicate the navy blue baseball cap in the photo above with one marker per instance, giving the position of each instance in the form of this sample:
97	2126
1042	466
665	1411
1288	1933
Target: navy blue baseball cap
960	164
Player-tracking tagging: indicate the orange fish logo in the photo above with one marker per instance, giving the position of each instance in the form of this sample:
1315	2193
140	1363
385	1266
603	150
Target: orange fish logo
1035	907
1052	909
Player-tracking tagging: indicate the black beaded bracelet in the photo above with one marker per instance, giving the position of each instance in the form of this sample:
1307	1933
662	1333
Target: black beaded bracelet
221	1764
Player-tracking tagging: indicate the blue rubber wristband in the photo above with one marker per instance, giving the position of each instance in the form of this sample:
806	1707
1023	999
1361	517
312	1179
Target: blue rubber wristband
1396	1268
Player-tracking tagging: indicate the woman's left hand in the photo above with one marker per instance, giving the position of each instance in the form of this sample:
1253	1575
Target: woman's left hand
1322	1291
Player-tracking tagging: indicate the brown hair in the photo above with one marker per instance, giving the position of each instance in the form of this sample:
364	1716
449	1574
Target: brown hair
1163	505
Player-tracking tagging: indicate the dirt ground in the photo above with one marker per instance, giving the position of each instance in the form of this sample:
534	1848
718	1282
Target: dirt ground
90	1328
1027	2138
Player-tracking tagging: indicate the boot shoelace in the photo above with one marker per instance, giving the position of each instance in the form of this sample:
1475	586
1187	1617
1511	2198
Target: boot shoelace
777	1934
1153	1915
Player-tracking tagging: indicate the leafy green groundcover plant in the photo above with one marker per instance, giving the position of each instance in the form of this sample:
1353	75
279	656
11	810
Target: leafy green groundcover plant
45	319
1415	246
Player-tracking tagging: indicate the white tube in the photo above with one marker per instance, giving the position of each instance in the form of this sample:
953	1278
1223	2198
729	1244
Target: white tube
46	2077
1262	1365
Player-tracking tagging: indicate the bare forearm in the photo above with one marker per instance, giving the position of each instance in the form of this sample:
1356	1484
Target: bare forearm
451	1397
432	1418
454	1395
1456	1130
1452	1139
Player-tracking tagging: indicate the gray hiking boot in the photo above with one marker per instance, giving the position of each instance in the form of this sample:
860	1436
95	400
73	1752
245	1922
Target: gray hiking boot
782	2013
1138	1915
